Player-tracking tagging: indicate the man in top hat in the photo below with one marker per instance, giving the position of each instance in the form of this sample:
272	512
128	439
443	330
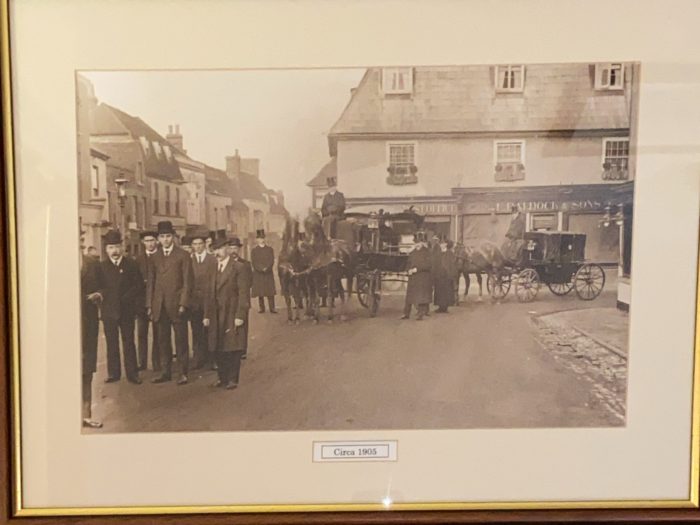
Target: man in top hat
168	297
121	288
203	265
144	260
245	281
225	311
332	208
444	272
514	245
90	299
186	243
420	281
262	257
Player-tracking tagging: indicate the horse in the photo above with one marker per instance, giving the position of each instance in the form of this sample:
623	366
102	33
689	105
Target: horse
495	261
292	268
466	266
331	261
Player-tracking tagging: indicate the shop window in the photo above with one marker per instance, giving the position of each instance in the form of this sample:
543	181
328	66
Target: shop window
609	76
509	157
510	79
543	222
616	152
402	163
397	80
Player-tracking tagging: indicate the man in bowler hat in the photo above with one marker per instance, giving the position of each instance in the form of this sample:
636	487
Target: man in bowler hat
121	288
262	257
167	299
203	265
149	239
245	281
225	314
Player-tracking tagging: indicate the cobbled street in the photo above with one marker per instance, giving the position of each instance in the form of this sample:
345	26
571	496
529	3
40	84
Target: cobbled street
482	365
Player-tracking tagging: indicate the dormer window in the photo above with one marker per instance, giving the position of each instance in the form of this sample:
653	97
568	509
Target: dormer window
168	152
397	80
145	145
510	78
609	76
158	150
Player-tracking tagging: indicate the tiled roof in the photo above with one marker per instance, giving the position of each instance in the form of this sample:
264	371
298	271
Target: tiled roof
275	206
218	183
330	169
251	187
110	120
121	155
449	99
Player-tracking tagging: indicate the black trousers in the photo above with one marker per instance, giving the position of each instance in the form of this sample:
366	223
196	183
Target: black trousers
200	339
228	366
142	325
87	395
421	309
270	302
113	328
165	326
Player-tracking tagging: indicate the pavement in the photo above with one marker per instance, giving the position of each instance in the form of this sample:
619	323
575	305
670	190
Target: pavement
484	364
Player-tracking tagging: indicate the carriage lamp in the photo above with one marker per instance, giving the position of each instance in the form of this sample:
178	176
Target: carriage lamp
373	224
620	215
531	245
121	196
605	221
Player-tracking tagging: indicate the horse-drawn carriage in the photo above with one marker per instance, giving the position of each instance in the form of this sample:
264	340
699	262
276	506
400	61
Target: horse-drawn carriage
552	258
383	241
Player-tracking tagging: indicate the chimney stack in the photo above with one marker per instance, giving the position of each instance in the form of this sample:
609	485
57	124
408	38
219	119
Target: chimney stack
233	166
251	166
175	138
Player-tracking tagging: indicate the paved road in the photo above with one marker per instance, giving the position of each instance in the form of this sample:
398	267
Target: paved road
479	366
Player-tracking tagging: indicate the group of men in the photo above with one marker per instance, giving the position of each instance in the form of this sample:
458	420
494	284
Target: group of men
203	284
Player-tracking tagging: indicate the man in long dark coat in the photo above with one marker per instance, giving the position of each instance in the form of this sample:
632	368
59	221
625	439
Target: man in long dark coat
513	247
419	291
225	314
444	272
168	297
203	265
121	288
332	208
90	298
262	258
245	276
143	323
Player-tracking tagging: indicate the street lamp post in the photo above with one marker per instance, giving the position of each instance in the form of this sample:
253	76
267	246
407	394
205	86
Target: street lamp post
121	199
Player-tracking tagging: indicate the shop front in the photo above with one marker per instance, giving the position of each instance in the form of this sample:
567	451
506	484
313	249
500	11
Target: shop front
484	214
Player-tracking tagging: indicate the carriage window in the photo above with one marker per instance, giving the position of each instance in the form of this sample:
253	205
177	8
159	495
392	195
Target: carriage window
402	163
616	154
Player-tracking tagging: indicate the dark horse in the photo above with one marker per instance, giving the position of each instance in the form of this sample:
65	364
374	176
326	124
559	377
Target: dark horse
331	260
292	270
468	265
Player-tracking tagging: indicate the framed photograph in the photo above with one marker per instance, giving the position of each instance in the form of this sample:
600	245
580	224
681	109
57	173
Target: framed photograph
389	261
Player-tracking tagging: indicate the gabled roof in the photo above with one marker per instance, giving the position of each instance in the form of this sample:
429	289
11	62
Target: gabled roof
112	121
330	169
463	99
218	183
121	155
275	206
251	187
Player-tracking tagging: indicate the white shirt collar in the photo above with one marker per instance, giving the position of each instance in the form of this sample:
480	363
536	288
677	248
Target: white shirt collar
151	253
223	263
118	261
167	251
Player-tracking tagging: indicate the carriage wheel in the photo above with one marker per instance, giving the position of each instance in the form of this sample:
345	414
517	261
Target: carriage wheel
374	294
363	290
527	284
498	285
589	281
561	288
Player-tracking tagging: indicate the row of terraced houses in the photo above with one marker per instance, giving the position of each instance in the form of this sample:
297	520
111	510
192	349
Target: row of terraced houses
462	145
131	177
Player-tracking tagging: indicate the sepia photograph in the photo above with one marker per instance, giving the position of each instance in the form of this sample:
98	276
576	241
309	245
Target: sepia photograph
426	247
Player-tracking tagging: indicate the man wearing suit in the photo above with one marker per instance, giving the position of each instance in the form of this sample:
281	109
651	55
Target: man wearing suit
121	288
203	265
262	257
90	298
144	261
167	300
225	314
245	277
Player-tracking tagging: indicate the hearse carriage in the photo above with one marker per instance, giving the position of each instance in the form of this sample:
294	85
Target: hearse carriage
556	259
383	240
